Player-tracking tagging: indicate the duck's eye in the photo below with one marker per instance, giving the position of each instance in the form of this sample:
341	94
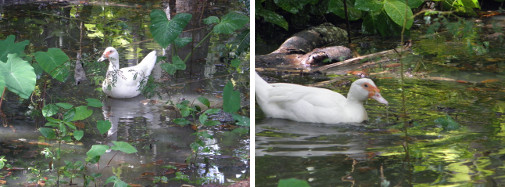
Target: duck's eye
366	85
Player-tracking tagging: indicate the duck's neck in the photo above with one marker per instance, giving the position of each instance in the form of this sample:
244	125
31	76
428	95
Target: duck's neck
113	63
355	109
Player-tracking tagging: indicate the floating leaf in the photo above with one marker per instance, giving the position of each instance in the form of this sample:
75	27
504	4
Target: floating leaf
165	31
231	22
54	62
94	102
123	147
8	46
103	126
18	76
78	134
82	112
231	98
396	10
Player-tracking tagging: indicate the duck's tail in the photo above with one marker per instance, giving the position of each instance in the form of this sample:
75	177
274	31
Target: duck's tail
147	64
262	88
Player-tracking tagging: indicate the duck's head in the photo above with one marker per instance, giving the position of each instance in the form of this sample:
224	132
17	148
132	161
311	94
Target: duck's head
364	88
109	53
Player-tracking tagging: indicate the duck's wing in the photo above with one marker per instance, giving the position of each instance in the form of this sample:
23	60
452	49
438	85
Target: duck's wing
291	93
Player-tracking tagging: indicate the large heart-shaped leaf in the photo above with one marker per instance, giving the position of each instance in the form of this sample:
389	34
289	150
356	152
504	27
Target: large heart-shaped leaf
396	10
231	98
273	17
164	31
231	22
8	46
55	62
18	76
82	112
123	147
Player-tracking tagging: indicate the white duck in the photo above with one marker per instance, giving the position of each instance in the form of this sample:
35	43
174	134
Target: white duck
315	105
125	82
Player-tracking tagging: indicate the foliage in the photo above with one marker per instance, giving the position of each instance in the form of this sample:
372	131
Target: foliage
55	62
17	75
166	31
385	17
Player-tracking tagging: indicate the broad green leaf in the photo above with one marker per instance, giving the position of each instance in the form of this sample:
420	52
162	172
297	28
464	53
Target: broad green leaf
165	31
78	134
82	112
63	129
103	126
49	110
169	68
204	101
231	22
181	121
231	99
293	182
123	147
417	3
369	5
47	132
272	17
95	152
8	46
117	182
69	115
18	75
181	42
92	102
65	105
2	82
212	111
177	64
70	125
54	62
211	20
203	118
396	10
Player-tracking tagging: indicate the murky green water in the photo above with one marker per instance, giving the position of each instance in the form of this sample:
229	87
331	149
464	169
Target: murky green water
88	29
454	135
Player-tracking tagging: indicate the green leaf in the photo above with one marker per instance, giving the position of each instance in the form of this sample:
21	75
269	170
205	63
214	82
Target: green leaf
181	42
273	17
417	3
211	123
204	101
231	22
54	62
78	134
177	64
65	105
49	110
395	9
231	99
211	20
70	125
103	126
69	115
82	112
235	63
165	31
117	182
95	152
8	46
369	5
202	118
63	129
241	120
47	132
92	102
447	123
293	182
181	121
18	76
123	147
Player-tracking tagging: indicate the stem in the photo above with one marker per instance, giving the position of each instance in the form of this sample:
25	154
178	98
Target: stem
347	22
2	115
197	45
